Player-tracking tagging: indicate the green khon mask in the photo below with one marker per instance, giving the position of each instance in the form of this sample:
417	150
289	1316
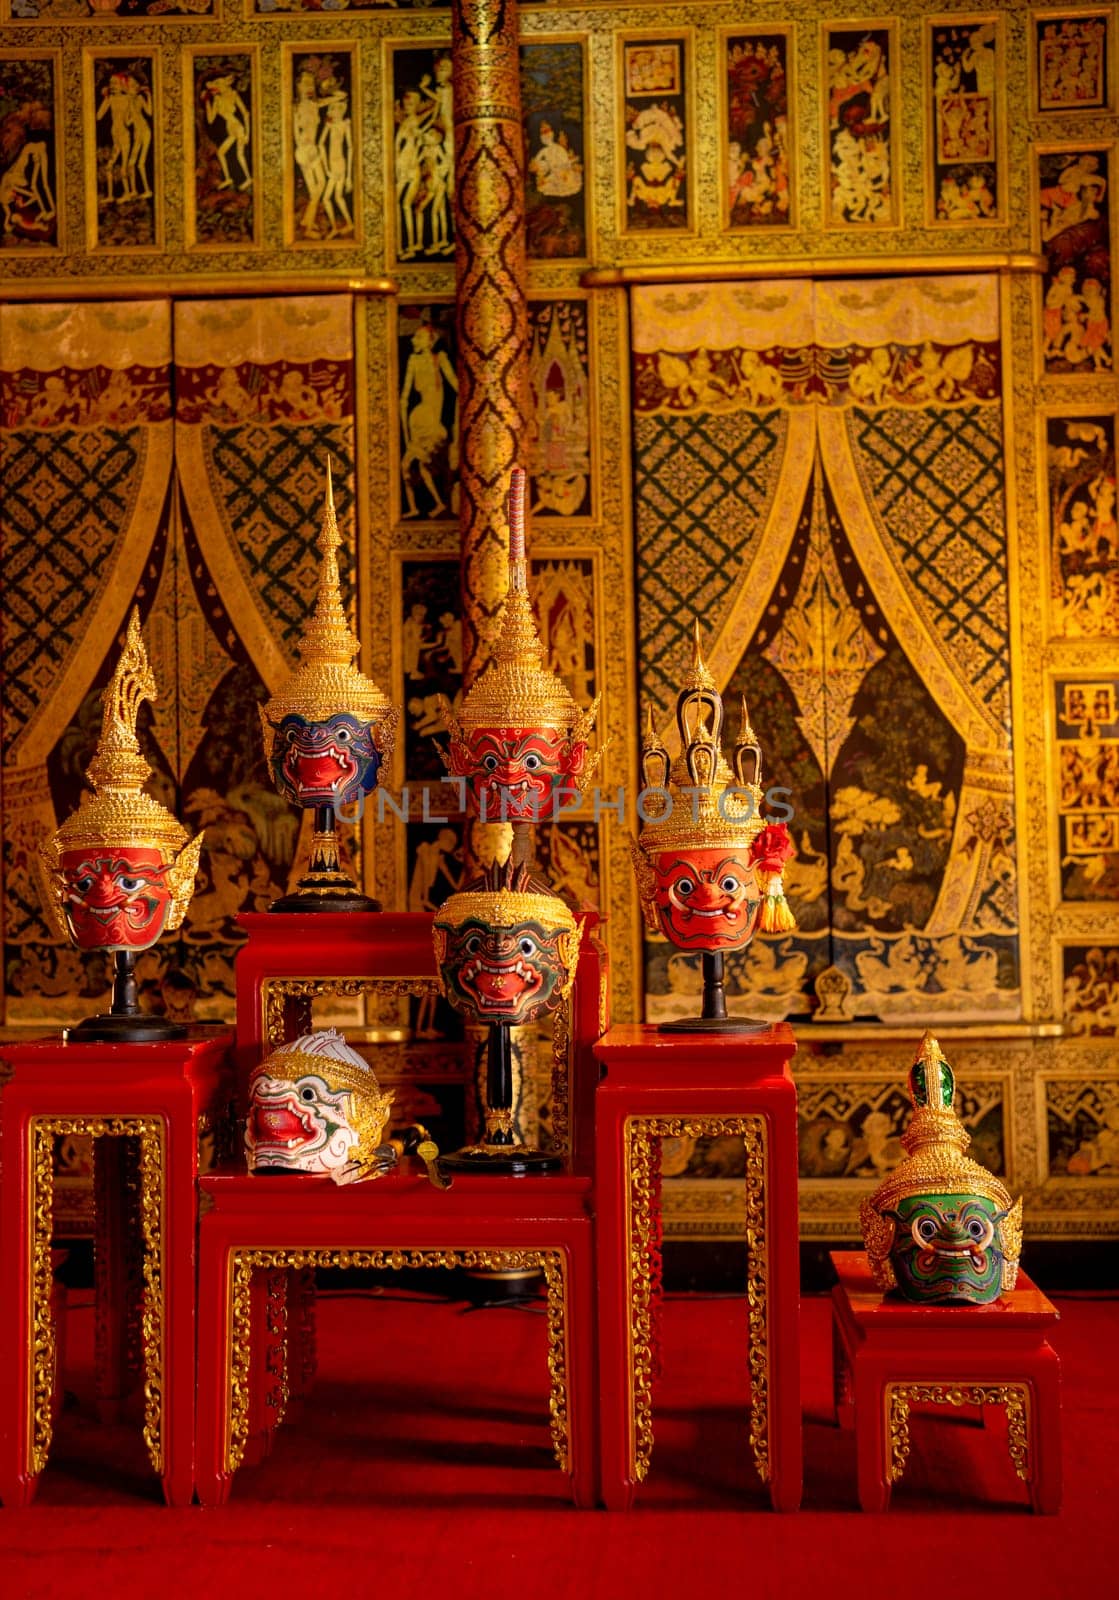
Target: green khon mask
940	1228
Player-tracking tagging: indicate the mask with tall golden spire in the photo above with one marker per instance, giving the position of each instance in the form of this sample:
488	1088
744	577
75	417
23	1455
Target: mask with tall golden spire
940	1228
328	729
520	741
705	858
121	868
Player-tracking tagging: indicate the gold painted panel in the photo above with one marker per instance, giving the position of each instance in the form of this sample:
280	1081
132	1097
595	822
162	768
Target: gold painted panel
656	160
31	150
124	138
222	187
1073	221
1072	60
322	132
860	69
419	118
965	77
1086	719
1078	448
756	81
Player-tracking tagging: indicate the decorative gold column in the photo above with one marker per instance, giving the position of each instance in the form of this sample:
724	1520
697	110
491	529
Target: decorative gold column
493	389
493	395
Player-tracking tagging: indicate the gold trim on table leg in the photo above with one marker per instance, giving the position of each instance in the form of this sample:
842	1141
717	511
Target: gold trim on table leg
1014	1396
150	1133
642	1148
243	1262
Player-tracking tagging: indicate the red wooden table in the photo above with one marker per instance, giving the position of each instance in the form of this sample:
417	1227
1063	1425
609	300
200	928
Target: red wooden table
163	1096
659	1086
256	1228
891	1355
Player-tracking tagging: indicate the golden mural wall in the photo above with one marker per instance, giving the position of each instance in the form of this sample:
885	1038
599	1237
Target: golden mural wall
821	310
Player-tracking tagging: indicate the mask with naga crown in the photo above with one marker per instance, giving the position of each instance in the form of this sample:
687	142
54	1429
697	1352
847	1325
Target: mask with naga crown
507	947
121	868
315	1106
328	728
520	741
941	1228
708	868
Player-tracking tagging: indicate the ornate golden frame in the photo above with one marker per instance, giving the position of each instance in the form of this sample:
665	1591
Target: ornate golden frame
1111	59
830	224
751	27
190	53
642	1180
48	252
347	45
159	153
686	39
1001	162
242	1262
898	1397
150	1131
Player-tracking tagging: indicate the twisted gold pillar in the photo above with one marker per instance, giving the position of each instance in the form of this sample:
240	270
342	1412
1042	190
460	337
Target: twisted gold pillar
493	394
493	390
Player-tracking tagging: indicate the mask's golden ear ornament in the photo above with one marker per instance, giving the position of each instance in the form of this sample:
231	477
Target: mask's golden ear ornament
708	867
327	732
120	870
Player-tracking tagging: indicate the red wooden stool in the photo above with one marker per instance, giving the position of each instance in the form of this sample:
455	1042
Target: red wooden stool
890	1354
162	1095
659	1086
265	1226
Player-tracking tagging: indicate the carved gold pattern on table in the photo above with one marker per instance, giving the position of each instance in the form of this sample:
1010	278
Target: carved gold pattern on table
642	1155
242	1263
1014	1396
149	1131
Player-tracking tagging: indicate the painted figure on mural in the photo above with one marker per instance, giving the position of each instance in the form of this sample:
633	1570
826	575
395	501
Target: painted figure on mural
555	191
656	177
1091	990
1088	787
560	441
423	154
322	171
965	60
224	209
126	152
428	376
1073	217
859	126
758	168
1084	570
222	100
28	214
1072	62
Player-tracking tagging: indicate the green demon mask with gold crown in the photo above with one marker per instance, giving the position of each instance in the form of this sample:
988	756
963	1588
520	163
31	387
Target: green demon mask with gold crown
940	1228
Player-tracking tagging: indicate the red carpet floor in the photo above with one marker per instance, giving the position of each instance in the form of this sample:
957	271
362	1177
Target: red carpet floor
423	1468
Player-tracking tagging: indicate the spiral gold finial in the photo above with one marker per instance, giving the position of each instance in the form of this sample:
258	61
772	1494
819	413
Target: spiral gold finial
118	765
328	636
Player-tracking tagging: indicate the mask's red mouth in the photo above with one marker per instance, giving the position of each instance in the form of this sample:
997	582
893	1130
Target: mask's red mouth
499	984
281	1127
322	773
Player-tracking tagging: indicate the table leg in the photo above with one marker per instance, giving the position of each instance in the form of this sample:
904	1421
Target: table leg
213	1477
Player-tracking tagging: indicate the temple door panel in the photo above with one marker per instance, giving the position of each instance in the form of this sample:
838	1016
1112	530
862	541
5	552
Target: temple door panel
172	455
819	477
